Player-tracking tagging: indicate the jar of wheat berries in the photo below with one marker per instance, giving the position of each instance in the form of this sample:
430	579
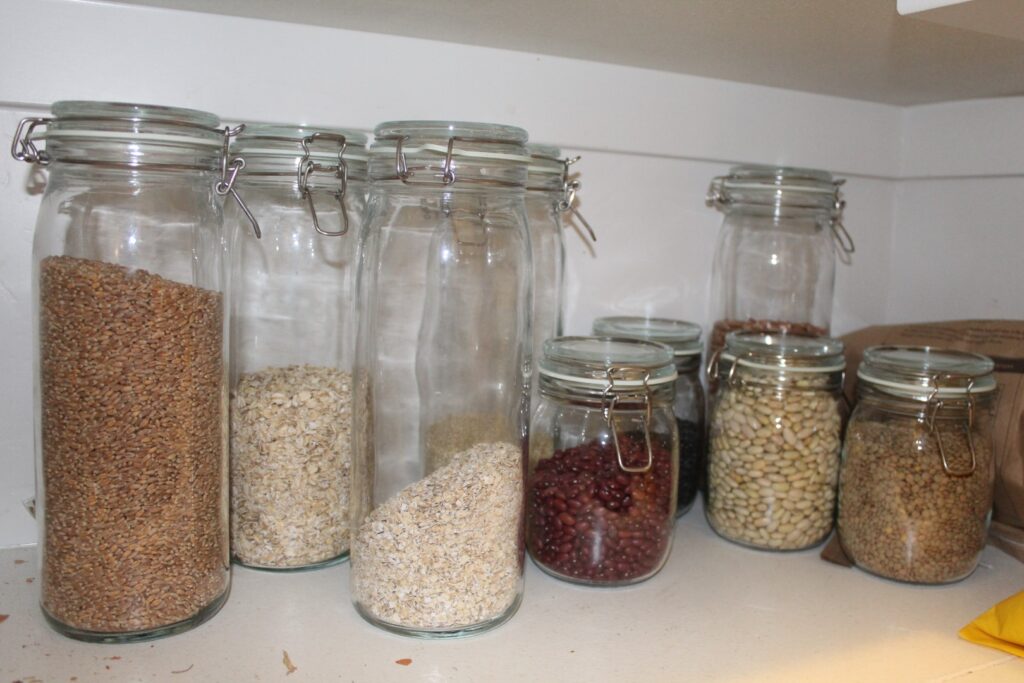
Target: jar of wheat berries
131	367
775	439
915	486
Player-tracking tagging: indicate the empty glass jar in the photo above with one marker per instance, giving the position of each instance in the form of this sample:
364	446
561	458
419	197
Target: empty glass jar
293	339
774	265
442	379
130	351
601	489
684	340
915	486
775	437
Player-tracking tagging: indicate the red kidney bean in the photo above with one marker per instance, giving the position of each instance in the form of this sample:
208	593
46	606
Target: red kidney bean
613	526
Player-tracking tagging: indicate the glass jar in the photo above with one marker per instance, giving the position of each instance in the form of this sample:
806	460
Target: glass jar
442	379
131	395
775	438
915	485
684	340
293	338
774	265
601	487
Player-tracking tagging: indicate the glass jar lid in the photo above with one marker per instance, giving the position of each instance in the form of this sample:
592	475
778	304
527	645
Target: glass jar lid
789	352
681	336
120	134
276	149
926	373
547	168
449	154
595	361
776	186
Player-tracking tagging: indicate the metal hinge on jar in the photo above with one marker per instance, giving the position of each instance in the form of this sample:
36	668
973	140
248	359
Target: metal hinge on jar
229	169
935	404
307	166
613	397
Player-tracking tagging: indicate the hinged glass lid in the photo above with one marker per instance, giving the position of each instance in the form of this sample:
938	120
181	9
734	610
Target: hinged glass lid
683	337
790	352
601	361
925	373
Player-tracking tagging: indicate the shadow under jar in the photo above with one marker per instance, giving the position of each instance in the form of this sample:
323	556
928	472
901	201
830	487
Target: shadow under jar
293	338
684	340
131	395
915	486
775	439
601	488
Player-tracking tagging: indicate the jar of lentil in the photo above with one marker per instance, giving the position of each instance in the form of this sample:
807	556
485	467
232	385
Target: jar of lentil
774	264
293	338
684	340
442	379
601	488
915	485
775	437
131	368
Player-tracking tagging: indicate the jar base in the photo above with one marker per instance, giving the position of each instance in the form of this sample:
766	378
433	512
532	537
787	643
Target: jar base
442	634
195	620
323	564
765	548
912	582
591	583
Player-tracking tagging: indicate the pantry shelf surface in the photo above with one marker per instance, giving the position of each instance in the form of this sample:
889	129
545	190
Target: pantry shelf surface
717	611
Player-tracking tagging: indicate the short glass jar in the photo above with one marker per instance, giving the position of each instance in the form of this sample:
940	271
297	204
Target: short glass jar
131	368
293	338
774	265
601	487
684	340
917	473
775	438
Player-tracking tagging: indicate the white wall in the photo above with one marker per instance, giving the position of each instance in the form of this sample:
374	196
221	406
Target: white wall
650	141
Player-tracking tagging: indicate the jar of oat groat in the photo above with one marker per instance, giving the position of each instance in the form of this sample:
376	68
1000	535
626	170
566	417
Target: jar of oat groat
915	486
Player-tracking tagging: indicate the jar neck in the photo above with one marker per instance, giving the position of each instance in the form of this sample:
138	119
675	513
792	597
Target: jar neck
738	376
595	396
920	407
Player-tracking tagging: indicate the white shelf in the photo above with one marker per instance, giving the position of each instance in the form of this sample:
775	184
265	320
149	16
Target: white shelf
716	612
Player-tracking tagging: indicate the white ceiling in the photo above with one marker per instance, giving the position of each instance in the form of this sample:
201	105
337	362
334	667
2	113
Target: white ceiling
850	48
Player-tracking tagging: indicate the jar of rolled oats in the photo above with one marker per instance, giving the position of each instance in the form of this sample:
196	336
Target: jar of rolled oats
775	438
293	333
915	484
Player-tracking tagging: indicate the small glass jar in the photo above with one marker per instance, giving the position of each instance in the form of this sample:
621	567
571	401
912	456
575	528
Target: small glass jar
601	488
442	379
684	340
774	265
917	473
293	338
775	438
130	350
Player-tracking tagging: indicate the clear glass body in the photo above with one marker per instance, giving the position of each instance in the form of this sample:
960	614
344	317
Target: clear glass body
916	481
131	391
774	264
293	343
592	517
442	382
543	197
774	445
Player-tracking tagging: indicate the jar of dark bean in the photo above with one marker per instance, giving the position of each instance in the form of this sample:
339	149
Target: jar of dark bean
773	456
604	448
915	484
684	340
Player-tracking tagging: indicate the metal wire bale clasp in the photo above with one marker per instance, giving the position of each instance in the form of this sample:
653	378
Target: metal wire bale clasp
612	397
568	200
229	169
307	166
935	404
23	148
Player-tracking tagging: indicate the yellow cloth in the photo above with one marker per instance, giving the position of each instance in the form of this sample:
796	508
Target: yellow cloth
1002	627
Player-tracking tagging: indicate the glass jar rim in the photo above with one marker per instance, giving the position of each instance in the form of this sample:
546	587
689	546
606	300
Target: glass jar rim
791	352
682	336
125	121
593	361
779	187
278	140
441	129
926	372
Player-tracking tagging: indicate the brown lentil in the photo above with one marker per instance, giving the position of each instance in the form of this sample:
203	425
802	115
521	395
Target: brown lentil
900	514
133	438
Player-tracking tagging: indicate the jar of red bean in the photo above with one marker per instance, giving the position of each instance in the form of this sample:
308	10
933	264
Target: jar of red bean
603	466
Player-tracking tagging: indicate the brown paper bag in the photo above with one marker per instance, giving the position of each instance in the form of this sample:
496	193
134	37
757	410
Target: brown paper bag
1003	342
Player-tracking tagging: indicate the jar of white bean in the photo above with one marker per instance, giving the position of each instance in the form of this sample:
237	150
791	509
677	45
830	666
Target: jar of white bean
775	438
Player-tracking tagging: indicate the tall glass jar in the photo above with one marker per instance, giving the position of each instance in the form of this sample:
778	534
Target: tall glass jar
684	340
131	392
293	338
774	265
602	476
442	379
775	437
915	485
